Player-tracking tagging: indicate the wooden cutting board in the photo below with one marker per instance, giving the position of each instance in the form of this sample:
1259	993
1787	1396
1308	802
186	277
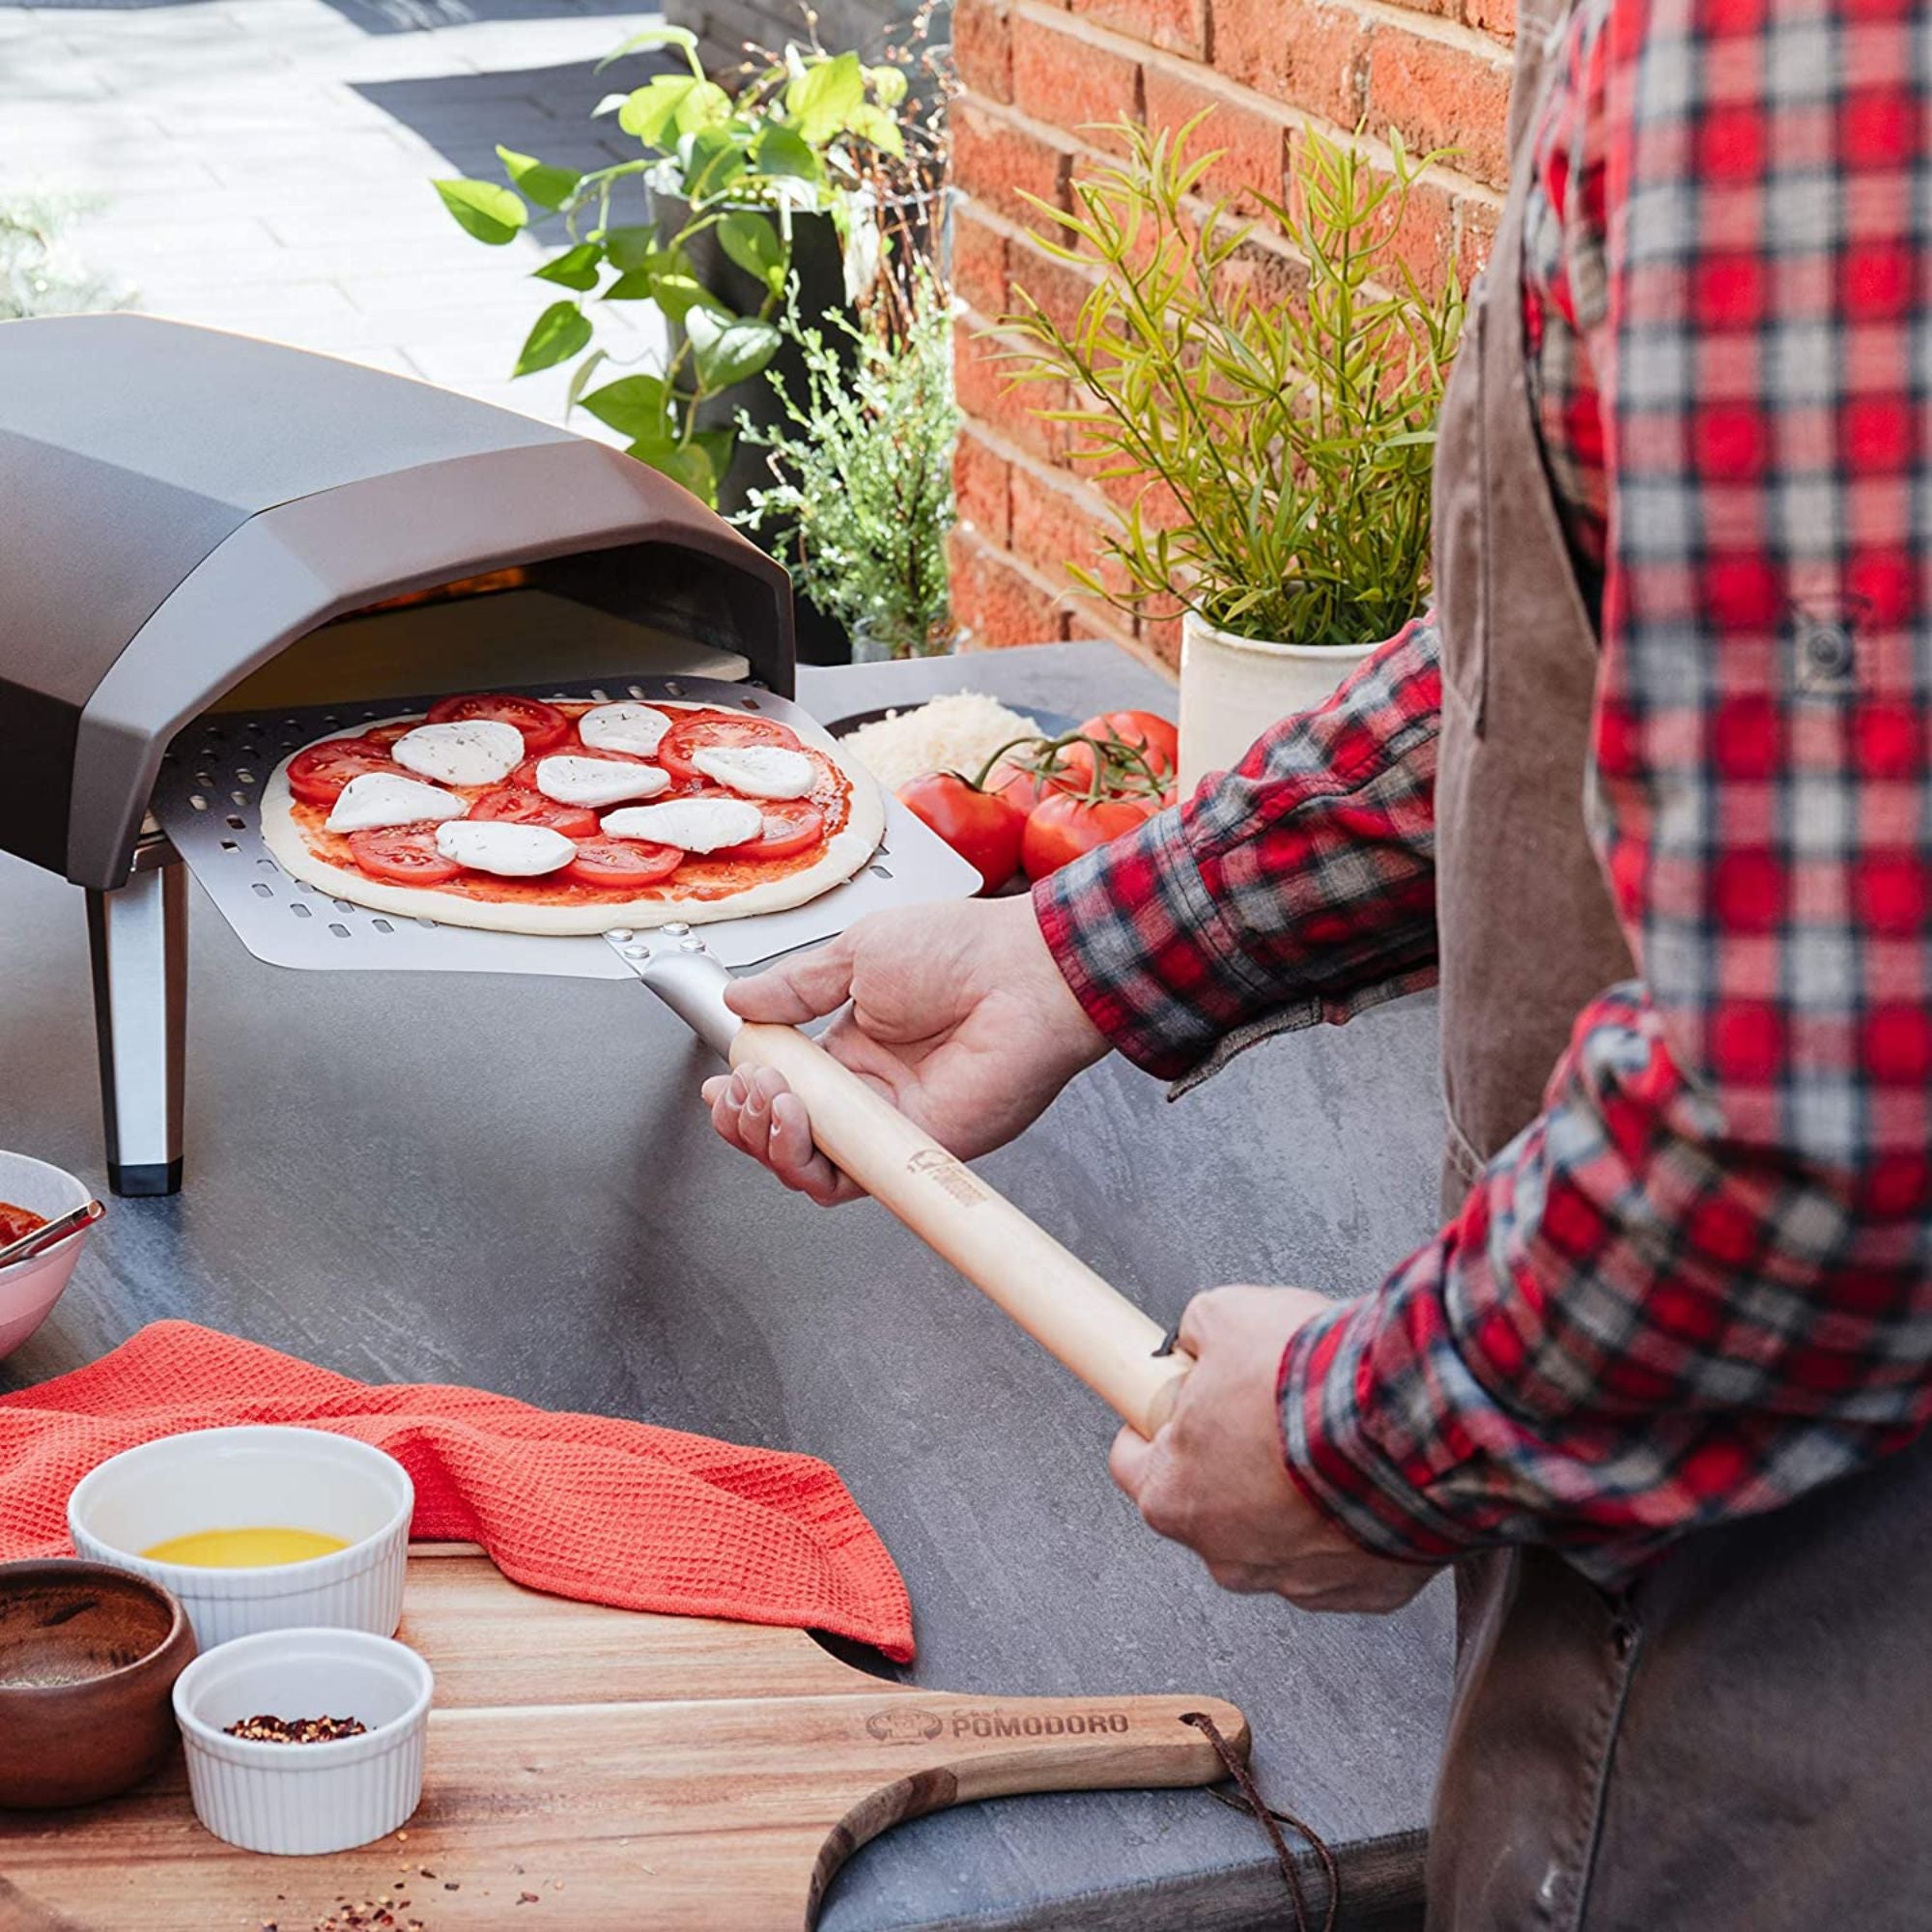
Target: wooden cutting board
608	1772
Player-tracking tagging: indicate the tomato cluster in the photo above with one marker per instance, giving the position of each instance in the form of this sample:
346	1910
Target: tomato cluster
1040	802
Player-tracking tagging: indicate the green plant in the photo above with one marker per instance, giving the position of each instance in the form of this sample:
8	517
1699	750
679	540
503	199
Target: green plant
1285	441
746	165
864	469
39	273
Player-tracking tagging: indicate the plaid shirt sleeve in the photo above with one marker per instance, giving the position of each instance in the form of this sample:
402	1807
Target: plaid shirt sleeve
1697	1286
1297	888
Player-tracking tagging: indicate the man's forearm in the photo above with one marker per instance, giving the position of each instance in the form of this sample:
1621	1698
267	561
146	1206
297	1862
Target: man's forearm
1637	1326
1298	888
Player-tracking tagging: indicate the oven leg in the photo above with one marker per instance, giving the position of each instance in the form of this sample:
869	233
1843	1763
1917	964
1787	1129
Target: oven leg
138	938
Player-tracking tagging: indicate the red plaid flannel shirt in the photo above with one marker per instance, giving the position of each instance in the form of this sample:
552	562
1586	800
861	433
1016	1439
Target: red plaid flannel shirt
1701	1281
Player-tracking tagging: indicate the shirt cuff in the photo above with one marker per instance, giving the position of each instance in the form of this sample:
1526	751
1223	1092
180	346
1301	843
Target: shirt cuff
1326	1392
1148	952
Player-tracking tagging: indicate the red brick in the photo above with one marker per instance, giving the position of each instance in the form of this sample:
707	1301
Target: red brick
1442	97
996	602
988	392
1053	528
982	483
1180	26
1300	51
1255	146
1425	236
982	49
1069	81
1058	287
1496	18
1160	638
1088	618
994	162
978	263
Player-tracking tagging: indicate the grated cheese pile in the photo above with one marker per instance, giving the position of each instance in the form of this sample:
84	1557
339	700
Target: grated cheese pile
958	733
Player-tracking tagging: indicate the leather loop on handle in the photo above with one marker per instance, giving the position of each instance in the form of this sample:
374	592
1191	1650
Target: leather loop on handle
1087	1324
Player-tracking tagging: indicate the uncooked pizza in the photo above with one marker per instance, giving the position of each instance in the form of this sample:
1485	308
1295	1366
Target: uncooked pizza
518	816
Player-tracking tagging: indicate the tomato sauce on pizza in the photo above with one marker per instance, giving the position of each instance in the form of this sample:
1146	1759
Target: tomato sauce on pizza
405	867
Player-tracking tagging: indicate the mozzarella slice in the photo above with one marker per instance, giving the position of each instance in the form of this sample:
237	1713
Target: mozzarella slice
624	727
758	771
597	782
499	845
691	824
377	800
469	751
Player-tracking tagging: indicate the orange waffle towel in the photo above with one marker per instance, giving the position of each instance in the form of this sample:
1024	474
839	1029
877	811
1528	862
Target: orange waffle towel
580	1506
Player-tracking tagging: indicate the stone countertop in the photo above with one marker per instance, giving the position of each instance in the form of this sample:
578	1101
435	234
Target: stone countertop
511	1185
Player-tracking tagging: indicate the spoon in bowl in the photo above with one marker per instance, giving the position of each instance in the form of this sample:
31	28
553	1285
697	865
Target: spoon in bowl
36	1241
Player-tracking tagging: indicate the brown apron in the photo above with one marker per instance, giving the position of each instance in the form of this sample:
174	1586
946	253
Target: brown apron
1744	1738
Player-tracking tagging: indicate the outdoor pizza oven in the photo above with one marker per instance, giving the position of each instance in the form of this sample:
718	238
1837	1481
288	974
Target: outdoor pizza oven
196	522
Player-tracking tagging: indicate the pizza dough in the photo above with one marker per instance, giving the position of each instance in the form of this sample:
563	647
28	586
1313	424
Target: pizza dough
847	848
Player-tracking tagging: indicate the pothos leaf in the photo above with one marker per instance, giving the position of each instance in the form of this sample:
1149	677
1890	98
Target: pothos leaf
484	210
728	350
752	241
559	333
781	151
632	404
685	464
542	184
650	37
575	268
820	101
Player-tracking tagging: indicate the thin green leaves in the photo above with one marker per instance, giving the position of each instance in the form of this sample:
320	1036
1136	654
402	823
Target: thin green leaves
1275	396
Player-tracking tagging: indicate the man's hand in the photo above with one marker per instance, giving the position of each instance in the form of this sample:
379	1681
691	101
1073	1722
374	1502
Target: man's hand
1216	1479
959	1018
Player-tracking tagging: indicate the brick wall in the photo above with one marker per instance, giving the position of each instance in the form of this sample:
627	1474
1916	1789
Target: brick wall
1034	71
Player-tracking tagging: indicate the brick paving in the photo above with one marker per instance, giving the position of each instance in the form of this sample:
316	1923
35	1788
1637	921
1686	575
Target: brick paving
265	164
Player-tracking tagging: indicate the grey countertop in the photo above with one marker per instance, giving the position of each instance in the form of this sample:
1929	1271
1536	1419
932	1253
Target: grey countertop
511	1183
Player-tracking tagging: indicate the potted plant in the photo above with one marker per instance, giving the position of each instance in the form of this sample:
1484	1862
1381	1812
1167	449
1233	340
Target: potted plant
1284	440
863	468
39	273
731	180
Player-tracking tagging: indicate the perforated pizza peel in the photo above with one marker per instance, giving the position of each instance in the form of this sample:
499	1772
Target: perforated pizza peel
208	801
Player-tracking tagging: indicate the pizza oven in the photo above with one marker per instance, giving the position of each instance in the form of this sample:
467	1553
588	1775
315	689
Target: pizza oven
198	525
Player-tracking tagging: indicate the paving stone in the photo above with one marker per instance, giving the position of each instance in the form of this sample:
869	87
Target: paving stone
266	164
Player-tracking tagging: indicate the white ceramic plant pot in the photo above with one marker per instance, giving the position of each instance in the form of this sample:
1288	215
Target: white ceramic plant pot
1234	689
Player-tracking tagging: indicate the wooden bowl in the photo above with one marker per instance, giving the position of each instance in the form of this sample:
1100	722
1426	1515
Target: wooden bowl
88	1660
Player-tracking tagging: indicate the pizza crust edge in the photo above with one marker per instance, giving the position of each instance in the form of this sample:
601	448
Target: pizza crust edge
846	852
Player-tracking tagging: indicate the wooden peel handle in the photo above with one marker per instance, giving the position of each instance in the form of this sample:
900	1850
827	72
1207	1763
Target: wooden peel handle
1052	1295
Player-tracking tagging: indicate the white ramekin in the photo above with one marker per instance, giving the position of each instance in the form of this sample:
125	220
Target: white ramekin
29	1288
305	1798
250	1478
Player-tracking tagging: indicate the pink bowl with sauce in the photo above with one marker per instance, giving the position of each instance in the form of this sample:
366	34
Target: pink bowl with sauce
29	1288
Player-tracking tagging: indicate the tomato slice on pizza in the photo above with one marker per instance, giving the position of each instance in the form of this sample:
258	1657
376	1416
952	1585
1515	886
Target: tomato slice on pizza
717	731
667	810
545	727
318	775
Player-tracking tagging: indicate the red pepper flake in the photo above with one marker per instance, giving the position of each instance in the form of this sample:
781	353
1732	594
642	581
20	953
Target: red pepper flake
528	1898
266	1730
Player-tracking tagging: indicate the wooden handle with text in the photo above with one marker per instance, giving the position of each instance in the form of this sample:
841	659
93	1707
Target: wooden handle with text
1079	1318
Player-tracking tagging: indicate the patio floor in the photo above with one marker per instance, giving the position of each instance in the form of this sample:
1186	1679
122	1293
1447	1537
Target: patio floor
265	164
